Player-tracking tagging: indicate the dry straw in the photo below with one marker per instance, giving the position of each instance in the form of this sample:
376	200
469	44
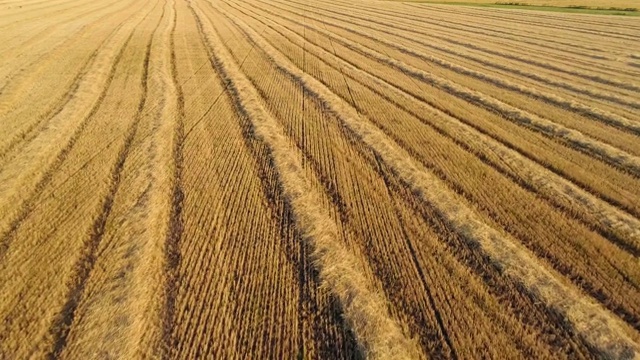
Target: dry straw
379	336
602	330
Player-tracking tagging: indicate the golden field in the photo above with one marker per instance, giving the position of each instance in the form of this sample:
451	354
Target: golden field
230	179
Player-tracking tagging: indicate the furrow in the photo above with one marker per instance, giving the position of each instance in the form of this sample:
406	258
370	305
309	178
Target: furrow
122	311
580	108
603	34
476	28
549	154
219	228
34	49
61	326
603	330
24	48
430	27
232	179
22	124
47	262
172	249
622	227
629	26
555	232
353	194
529	61
365	311
589	41
598	149
50	147
54	12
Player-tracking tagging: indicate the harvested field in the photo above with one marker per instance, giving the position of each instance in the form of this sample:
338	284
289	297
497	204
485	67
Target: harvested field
333	179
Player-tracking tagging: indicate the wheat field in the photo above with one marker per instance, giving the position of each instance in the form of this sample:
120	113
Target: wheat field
337	179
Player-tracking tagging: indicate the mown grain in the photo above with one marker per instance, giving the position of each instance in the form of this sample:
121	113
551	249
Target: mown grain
233	179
